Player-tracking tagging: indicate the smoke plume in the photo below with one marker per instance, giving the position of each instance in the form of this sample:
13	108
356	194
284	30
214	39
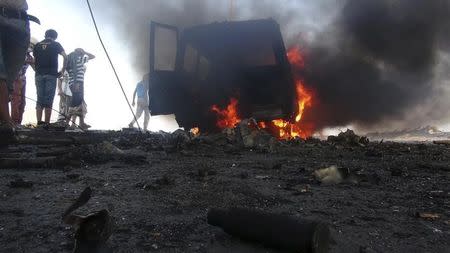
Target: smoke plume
378	61
368	61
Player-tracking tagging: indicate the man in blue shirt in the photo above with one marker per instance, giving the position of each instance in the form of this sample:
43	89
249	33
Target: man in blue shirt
142	102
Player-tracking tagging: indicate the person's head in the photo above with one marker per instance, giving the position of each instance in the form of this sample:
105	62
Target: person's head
51	34
146	77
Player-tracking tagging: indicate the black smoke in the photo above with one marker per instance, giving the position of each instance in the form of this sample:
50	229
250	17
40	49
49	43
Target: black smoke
377	62
369	61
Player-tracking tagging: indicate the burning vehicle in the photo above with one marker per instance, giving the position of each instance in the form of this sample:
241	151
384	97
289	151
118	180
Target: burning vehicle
212	76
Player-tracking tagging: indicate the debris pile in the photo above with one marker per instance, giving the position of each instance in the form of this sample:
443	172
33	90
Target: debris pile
337	175
349	138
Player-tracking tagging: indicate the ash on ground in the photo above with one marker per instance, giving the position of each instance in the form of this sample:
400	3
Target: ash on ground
376	197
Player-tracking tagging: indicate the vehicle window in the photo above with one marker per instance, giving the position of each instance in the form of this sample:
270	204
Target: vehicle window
190	59
203	68
165	49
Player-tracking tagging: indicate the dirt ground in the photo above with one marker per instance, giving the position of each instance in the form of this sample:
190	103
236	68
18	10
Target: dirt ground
159	194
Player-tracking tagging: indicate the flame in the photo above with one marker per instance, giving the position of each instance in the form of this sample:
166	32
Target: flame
262	125
296	58
296	129
304	99
195	131
228	117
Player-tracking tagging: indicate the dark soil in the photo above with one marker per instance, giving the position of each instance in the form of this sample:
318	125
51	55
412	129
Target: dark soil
159	194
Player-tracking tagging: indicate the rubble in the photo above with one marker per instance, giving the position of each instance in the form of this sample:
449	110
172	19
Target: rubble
337	175
333	175
252	137
349	138
443	142
107	148
157	186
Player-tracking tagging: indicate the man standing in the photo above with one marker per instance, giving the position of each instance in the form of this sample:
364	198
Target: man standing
46	66
77	68
14	41
18	96
142	103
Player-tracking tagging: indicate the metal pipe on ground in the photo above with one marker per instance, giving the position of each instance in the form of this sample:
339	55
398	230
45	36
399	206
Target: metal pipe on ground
273	230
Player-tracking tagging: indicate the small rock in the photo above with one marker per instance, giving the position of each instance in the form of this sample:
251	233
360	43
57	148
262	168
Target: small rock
301	189
331	175
428	216
204	172
396	172
20	183
18	212
244	175
73	176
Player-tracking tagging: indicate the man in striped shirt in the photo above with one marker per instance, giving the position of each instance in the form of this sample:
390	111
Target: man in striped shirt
77	68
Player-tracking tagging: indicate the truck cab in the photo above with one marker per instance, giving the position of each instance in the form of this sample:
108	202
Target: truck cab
206	65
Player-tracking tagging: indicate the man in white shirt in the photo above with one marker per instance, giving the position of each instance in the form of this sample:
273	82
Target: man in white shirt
65	97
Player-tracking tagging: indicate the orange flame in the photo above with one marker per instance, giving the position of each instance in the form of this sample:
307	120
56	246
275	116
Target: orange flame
295	57
228	117
290	130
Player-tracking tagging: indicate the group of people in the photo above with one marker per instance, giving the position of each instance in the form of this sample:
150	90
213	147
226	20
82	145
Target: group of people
17	53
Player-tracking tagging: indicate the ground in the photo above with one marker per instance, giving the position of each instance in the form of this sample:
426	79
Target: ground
159	194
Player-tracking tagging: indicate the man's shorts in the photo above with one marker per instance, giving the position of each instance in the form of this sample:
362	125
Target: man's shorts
14	42
45	88
80	110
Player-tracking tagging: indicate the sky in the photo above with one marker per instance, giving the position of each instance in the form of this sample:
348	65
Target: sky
107	107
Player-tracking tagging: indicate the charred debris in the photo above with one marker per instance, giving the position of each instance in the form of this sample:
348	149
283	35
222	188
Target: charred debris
169	167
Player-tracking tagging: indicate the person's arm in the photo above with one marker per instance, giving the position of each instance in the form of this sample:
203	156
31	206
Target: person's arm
60	80
134	96
147	88
30	61
89	55
64	55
